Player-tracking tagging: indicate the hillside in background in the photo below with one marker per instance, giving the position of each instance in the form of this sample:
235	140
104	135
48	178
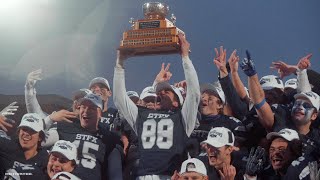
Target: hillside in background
48	103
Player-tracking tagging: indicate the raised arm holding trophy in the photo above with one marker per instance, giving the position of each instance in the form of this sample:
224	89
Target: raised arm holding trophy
153	35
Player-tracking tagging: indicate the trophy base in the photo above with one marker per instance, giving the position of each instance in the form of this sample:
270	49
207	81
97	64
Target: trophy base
163	49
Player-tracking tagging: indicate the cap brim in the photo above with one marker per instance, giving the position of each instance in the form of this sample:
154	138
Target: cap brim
271	135
208	87
301	96
147	95
30	127
162	86
63	154
305	97
267	87
83	100
213	143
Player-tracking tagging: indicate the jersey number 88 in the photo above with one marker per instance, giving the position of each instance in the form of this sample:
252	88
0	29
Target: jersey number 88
159	133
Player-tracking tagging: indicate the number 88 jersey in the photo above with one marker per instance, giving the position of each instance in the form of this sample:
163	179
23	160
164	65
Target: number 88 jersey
162	138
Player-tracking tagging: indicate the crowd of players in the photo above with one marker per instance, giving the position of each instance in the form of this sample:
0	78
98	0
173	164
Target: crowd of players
188	130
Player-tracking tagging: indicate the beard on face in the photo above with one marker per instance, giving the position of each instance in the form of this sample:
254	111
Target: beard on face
166	103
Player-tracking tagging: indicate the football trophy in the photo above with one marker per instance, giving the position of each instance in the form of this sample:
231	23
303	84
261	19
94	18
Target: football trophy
154	34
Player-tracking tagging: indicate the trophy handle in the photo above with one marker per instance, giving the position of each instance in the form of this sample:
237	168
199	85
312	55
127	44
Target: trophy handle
131	21
173	19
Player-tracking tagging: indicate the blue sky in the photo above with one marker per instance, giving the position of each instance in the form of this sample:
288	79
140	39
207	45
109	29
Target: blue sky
76	40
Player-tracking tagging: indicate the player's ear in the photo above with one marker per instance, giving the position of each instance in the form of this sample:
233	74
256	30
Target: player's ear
175	104
99	113
109	93
314	115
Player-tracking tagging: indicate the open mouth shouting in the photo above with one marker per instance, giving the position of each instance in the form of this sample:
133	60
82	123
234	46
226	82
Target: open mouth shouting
277	161
55	170
26	138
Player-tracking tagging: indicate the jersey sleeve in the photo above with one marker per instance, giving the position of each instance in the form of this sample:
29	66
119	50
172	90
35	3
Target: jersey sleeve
32	103
190	106
51	136
239	107
121	100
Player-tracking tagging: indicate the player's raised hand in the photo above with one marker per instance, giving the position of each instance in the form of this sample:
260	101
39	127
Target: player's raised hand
185	45
255	161
228	172
33	77
234	61
247	65
283	68
175	176
6	124
122	56
304	62
62	115
9	110
164	73
182	84
220	59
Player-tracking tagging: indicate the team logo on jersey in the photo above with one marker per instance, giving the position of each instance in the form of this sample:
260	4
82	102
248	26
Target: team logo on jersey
17	164
105	120
86	138
157	115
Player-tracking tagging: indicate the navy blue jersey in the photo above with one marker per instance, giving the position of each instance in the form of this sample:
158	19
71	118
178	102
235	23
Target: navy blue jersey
209	122
308	140
108	118
255	131
12	156
91	149
161	141
109	126
22	171
299	170
10	151
238	160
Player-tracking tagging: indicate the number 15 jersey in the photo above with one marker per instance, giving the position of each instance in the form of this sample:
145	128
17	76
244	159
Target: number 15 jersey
162	140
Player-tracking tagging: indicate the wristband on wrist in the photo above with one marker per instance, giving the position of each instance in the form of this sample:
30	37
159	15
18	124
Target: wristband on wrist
259	105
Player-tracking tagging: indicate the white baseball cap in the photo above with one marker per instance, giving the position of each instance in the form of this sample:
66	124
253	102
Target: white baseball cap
164	85
132	94
193	165
215	89
66	148
219	136
148	92
33	121
78	94
270	82
287	134
291	83
312	96
95	99
100	80
65	176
